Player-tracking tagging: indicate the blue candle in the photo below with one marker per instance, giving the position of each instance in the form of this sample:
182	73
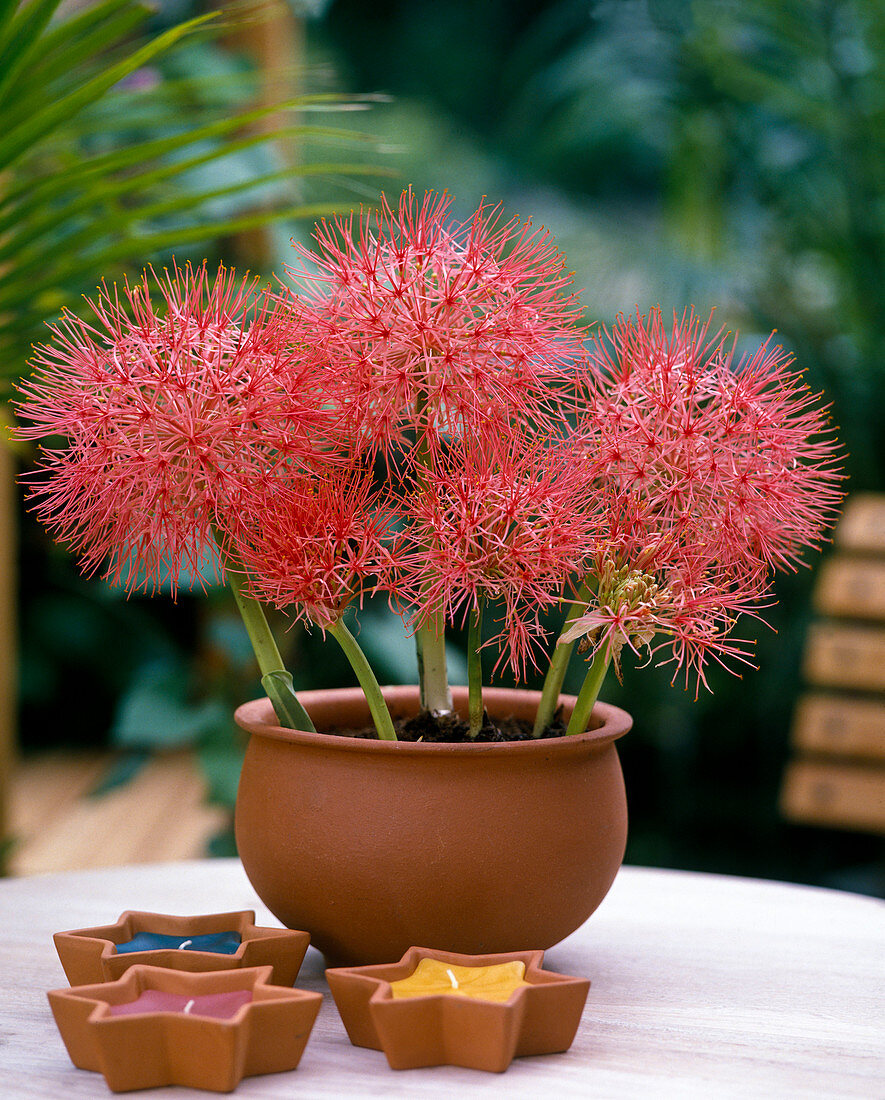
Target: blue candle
221	943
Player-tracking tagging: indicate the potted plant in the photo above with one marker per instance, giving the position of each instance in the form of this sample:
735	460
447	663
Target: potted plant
422	415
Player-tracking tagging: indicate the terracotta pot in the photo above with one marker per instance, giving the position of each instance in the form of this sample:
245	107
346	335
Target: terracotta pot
373	846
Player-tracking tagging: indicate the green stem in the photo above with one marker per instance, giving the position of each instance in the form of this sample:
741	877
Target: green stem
430	641
275	679
559	663
365	675
589	692
474	671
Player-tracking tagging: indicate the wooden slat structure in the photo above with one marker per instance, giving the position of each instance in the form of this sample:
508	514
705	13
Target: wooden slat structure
64	816
837	778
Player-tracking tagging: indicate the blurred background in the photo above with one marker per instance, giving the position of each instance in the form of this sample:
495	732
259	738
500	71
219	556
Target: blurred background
682	152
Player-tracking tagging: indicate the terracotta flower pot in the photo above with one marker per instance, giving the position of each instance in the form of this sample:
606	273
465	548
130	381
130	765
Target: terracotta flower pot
373	846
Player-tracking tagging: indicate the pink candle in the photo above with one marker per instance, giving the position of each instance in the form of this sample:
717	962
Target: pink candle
221	1006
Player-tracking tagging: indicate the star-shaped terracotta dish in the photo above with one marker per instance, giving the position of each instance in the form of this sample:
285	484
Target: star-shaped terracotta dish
90	954
539	1017
150	1049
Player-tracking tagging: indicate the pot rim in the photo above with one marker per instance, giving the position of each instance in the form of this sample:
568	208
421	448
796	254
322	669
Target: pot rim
257	718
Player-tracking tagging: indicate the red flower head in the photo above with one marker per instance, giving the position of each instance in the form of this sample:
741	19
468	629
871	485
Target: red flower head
311	545
712	473
170	417
438	325
507	520
698	448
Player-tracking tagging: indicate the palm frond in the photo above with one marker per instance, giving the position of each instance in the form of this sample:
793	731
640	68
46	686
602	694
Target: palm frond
100	171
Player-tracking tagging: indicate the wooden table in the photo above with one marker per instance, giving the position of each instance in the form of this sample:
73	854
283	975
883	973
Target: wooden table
703	986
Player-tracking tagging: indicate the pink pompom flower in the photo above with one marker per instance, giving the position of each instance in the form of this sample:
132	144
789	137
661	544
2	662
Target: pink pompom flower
441	325
168	417
712	474
696	446
507	520
312	544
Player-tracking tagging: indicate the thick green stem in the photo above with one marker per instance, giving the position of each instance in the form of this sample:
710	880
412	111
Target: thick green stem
275	679
474	671
368	682
559	663
589	692
430	641
552	688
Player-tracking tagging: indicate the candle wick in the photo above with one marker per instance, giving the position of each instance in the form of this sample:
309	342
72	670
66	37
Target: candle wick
188	1006
184	943
452	979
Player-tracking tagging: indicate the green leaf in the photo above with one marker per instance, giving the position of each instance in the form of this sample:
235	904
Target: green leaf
290	713
202	575
391	649
221	768
44	66
68	217
28	232
7	14
22	33
22	137
37	193
122	771
147	243
223	845
67	36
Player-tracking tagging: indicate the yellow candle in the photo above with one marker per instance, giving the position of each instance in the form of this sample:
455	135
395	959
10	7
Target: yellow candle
482	983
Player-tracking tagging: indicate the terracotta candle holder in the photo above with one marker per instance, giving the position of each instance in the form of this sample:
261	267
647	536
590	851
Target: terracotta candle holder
454	1026
91	955
205	1031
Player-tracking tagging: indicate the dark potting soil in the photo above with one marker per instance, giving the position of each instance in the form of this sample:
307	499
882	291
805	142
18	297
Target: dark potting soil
452	729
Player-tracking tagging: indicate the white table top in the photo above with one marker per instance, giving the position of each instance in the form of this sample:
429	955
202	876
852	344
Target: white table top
703	986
